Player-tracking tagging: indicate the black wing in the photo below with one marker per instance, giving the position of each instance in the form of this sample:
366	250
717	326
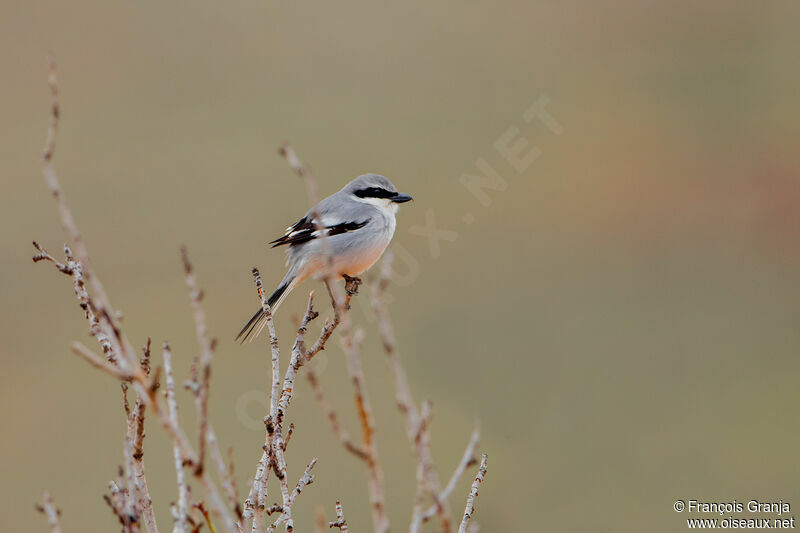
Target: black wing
300	232
305	230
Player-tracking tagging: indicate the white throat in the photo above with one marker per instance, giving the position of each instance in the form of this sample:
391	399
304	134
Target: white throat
384	204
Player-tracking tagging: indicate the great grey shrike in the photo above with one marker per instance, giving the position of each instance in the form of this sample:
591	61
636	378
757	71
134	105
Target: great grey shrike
358	223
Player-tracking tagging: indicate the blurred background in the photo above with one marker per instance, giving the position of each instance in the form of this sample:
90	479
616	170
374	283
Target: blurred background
622	318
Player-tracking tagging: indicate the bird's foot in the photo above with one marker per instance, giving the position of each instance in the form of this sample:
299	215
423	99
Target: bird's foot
351	278
351	284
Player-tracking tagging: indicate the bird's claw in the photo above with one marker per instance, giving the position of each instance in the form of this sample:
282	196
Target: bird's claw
351	284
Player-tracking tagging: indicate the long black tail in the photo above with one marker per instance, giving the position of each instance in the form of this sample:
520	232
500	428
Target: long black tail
253	326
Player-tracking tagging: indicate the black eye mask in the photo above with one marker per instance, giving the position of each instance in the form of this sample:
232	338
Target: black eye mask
375	192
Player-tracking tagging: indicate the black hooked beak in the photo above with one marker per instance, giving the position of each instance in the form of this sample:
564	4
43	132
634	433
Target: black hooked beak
400	198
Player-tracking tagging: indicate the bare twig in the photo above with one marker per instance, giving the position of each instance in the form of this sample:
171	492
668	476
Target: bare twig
467	460
308	179
97	327
299	358
206	517
288	436
232	474
201	382
182	508
421	441
473	493
254	505
269	457
49	510
55	112
136	430
273	342
402	391
182	451
351	289
225	471
217	504
97	362
137	416
279	467
55	188
199	385
117	500
131	511
106	321
375	473
305	480
139	410
340	522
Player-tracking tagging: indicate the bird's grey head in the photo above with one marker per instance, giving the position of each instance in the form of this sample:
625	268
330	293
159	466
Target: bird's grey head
374	188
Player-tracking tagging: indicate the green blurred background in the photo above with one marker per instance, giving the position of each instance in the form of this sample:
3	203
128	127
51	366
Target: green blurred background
622	319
